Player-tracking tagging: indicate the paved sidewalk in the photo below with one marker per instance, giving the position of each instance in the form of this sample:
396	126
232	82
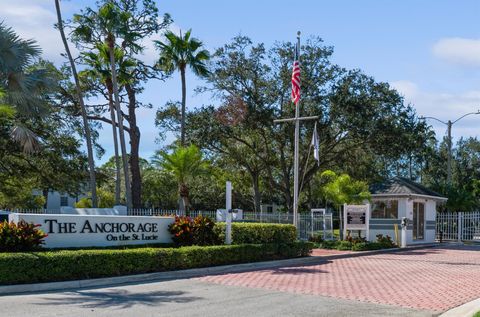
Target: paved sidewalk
434	279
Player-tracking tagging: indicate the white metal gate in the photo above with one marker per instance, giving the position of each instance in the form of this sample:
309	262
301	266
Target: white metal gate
460	226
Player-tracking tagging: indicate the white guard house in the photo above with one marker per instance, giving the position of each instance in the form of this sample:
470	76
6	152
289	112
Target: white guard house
400	197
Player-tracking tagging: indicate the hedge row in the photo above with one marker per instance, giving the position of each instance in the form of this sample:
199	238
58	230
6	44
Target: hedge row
261	233
49	266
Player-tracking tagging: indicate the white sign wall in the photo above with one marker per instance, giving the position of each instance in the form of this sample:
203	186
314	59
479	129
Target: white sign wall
69	231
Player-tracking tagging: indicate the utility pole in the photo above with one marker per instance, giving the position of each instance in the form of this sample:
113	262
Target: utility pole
449	125
297	120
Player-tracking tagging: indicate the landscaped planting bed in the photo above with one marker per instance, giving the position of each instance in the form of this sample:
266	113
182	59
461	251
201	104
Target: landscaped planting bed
63	265
355	244
197	243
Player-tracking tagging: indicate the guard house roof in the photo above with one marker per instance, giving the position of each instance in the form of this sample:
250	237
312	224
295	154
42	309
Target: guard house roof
403	187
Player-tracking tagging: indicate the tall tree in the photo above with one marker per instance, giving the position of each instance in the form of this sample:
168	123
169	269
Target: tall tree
139	20
178	52
79	97
253	85
109	21
99	69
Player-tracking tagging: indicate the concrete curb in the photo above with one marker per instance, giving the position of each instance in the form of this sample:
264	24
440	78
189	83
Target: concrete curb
190	273
466	310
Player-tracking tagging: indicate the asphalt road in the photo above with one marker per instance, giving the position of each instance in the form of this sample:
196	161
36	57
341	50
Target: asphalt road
188	297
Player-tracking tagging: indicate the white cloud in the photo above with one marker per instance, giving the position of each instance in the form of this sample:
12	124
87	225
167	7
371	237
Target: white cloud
457	50
35	19
445	107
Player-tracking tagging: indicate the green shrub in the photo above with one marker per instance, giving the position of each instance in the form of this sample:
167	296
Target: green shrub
385	241
358	244
361	246
48	266
344	245
316	238
258	233
328	244
20	237
355	240
203	231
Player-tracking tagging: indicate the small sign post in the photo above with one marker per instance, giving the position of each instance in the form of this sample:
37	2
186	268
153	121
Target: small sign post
357	217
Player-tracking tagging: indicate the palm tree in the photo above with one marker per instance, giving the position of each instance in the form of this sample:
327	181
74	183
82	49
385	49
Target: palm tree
88	136
184	163
110	20
22	87
178	52
99	63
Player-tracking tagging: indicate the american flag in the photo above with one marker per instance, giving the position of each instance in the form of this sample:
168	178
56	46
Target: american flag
296	77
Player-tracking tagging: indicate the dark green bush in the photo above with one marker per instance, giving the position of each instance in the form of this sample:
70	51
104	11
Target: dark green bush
20	237
258	233
48	266
328	244
316	238
203	231
358	244
344	245
385	241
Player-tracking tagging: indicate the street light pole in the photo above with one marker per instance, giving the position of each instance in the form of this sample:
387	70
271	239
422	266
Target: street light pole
449	158
449	125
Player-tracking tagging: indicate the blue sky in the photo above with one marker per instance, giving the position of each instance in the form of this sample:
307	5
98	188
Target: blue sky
429	50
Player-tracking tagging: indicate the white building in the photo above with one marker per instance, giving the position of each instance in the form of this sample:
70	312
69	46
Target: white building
400	197
56	200
271	208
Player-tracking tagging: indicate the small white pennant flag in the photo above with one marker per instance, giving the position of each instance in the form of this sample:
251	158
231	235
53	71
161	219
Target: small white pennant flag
316	145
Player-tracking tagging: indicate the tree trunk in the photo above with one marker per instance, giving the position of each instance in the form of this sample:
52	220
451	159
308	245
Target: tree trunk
115	145
88	136
134	148
183	191
340	220
256	193
184	100
410	168
45	196
128	192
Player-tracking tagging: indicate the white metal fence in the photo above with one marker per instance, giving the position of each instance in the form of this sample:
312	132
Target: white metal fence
460	226
171	212
32	211
308	225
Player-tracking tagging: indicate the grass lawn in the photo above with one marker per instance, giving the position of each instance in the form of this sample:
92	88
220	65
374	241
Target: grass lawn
477	314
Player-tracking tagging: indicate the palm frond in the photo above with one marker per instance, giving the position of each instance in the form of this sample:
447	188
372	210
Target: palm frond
26	138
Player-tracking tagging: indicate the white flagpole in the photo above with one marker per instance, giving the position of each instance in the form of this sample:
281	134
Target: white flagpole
297	137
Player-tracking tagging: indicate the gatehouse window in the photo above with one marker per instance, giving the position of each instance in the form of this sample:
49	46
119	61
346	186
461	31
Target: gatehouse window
385	209
63	201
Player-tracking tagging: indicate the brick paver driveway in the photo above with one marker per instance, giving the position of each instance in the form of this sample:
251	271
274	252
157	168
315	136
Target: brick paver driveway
435	279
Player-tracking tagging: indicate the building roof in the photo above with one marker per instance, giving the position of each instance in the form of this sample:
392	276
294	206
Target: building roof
401	186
